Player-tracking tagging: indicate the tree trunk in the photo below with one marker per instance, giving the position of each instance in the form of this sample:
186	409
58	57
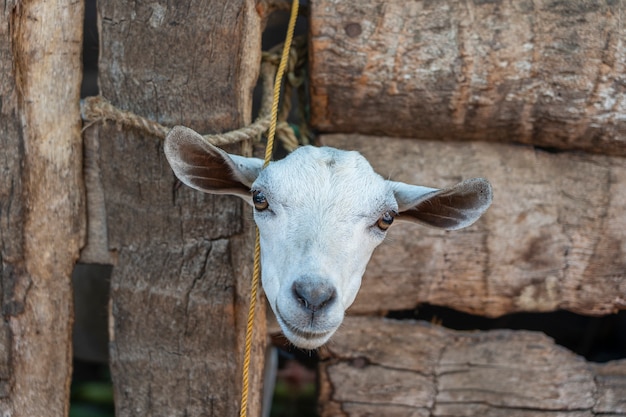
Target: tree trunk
41	202
391	368
550	74
552	239
183	259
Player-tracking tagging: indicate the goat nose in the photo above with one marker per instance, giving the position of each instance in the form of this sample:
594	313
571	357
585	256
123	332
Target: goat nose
313	296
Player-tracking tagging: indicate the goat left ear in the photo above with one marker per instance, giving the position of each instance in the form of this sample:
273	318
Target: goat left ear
207	168
449	209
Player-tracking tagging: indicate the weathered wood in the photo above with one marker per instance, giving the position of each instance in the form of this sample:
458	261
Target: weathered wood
375	366
180	283
611	397
96	249
543	73
553	238
41	202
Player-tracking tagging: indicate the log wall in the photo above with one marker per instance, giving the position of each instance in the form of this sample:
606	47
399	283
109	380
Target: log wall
432	93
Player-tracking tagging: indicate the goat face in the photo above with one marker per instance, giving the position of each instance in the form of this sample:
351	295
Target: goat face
321	212
317	213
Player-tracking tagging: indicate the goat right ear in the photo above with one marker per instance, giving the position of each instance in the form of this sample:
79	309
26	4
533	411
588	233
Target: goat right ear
207	168
450	209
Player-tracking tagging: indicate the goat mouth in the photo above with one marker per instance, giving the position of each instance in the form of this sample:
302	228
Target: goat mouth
303	338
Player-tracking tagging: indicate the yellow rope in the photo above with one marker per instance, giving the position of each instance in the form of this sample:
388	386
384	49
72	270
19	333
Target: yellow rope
257	247
279	78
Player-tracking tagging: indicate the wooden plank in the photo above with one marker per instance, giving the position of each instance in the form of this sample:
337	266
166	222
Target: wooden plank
182	259
41	202
553	238
543	73
377	366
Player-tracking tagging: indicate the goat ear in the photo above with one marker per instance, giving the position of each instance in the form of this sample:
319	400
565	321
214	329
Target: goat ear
450	209
207	168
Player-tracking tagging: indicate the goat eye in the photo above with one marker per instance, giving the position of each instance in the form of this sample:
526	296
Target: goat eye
385	220
259	200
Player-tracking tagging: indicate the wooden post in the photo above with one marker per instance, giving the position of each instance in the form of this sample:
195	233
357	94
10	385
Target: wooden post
182	259
41	202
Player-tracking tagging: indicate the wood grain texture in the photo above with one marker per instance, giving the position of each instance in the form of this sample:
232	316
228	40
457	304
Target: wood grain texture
553	238
543	73
41	202
183	259
376	366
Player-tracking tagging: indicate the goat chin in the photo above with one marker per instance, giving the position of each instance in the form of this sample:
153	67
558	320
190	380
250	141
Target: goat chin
304	338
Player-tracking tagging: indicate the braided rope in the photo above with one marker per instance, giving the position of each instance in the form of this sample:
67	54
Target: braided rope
98	109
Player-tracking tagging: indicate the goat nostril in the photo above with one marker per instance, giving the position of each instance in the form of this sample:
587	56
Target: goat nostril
323	304
302	301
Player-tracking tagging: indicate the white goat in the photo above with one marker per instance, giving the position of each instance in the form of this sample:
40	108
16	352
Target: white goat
320	212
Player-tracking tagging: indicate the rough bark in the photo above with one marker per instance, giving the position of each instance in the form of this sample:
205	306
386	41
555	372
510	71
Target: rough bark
545	73
182	258
376	366
41	202
552	239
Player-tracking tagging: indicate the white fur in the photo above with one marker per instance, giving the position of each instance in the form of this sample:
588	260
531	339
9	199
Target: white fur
321	224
